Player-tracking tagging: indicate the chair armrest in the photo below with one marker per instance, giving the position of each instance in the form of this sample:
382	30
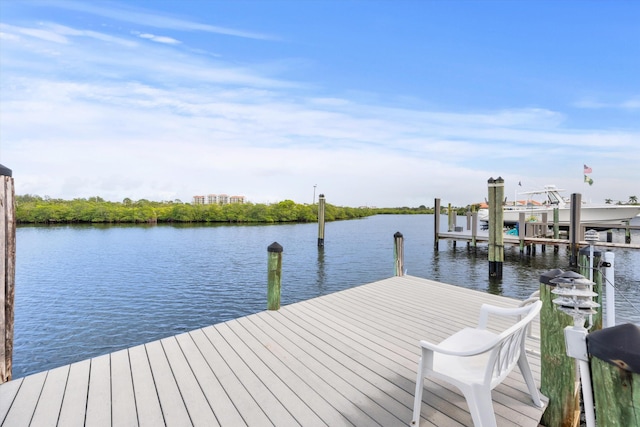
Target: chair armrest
464	343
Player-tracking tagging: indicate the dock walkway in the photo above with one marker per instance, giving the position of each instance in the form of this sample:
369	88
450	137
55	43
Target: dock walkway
343	359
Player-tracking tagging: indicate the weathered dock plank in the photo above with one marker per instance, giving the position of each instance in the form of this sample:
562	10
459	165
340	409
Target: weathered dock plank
122	394
148	408
50	400
99	399
74	403
345	359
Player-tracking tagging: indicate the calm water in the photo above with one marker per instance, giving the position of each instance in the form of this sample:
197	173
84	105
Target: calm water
82	291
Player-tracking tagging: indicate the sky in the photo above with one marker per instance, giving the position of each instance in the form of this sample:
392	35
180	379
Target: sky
371	103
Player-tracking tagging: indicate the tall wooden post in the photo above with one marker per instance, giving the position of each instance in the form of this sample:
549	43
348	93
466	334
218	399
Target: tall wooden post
321	204
436	223
545	227
574	228
556	227
558	379
451	222
398	254
474	228
522	230
7	272
496	225
274	275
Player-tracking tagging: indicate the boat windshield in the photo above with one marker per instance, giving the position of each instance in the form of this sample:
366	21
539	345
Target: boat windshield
554	198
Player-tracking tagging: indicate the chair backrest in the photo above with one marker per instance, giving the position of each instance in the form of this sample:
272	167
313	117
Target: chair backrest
510	344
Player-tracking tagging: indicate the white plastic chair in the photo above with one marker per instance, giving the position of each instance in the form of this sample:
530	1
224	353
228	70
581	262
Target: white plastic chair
476	360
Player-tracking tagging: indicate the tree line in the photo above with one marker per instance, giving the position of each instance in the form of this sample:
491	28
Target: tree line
31	209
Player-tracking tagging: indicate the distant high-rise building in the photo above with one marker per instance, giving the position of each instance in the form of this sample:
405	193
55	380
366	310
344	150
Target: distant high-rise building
219	199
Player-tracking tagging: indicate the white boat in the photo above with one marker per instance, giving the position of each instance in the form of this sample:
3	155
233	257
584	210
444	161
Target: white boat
589	213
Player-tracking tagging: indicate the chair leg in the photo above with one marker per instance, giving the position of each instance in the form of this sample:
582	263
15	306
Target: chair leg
417	402
523	364
480	405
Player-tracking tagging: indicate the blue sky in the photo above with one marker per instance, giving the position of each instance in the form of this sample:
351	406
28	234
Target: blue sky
379	103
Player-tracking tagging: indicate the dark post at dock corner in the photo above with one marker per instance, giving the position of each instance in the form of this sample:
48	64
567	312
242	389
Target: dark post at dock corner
496	237
321	203
274	275
7	271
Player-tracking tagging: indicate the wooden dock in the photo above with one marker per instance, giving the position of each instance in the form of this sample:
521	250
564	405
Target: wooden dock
344	359
483	237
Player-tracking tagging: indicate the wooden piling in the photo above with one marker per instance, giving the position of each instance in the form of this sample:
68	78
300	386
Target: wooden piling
450	217
574	228
436	223
522	230
558	379
556	227
615	372
398	254
496	225
7	271
545	227
321	206
474	228
274	275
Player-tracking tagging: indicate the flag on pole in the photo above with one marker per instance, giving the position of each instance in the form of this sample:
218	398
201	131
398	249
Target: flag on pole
588	180
587	169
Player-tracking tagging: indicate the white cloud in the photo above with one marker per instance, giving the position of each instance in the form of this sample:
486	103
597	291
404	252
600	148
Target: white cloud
159	39
153	19
47	35
595	104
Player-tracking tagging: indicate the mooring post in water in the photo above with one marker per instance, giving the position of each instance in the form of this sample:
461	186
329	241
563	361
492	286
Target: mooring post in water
321	203
545	227
451	221
627	233
574	228
7	271
522	227
436	223
556	227
558	374
274	275
398	254
496	224
474	228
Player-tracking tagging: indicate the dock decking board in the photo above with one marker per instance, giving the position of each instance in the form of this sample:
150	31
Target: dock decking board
344	359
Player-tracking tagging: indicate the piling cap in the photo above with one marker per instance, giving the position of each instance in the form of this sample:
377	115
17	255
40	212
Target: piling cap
275	247
618	345
5	171
546	278
397	234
